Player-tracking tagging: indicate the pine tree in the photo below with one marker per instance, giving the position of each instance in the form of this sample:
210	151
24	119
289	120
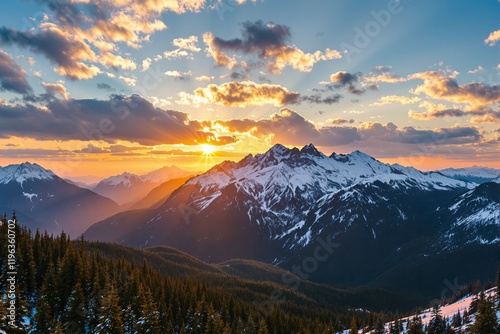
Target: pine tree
59	329
73	316
22	311
437	325
393	329
457	320
149	319
3	312
44	318
110	315
354	326
474	304
215	324
498	283
263	328
486	319
379	326
415	326
449	330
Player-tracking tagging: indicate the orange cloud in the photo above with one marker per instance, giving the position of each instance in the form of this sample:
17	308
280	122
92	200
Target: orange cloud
220	57
187	43
110	60
493	117
438	86
493	38
441	111
53	89
241	94
68	51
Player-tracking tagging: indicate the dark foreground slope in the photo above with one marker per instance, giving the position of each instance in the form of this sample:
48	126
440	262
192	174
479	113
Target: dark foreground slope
87	287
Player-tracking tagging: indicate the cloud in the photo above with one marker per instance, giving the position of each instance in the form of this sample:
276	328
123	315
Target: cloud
348	80
442	111
189	43
410	135
62	48
493	38
492	117
120	150
318	99
110	60
437	114
146	63
183	76
105	86
12	76
34	153
53	89
477	70
344	78
267	42
395	99
123	118
290	128
338	121
204	78
383	74
92	149
72	30
129	81
241	94
438	86
185	48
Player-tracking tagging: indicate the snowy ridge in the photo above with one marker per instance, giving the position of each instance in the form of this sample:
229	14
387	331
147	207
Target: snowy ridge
300	170
474	174
158	176
122	179
283	184
475	217
447	312
25	172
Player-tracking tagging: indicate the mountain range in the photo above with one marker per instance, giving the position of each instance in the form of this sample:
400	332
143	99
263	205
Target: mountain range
379	222
42	200
130	188
373	223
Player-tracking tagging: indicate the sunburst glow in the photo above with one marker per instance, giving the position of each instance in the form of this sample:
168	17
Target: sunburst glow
207	149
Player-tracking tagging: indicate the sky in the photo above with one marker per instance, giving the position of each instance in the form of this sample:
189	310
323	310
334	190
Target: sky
95	88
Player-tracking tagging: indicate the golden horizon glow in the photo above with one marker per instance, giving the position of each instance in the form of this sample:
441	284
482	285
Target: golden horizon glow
207	149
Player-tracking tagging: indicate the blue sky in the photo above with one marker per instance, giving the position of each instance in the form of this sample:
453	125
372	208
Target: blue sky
414	82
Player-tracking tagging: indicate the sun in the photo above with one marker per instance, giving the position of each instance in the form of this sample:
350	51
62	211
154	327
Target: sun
207	149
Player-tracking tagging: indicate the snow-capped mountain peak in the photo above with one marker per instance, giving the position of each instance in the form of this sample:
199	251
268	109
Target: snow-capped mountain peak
284	184
25	172
311	150
474	174
123	179
128	187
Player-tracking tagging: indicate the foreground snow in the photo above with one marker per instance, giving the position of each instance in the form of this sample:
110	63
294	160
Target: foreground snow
447	311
